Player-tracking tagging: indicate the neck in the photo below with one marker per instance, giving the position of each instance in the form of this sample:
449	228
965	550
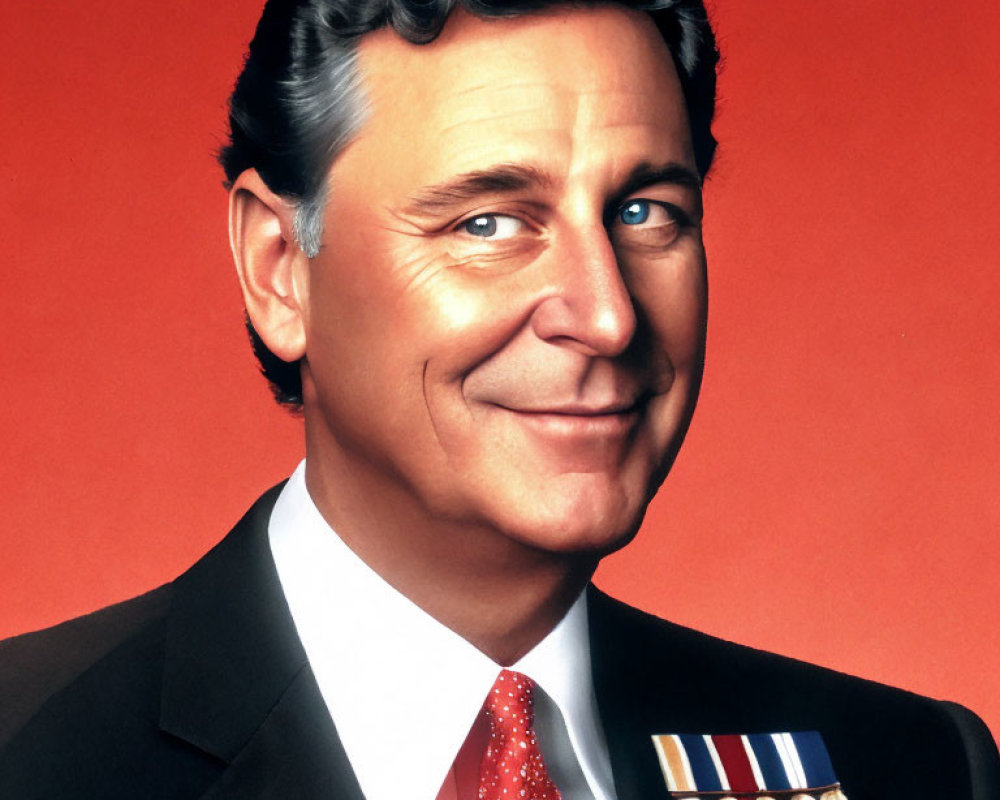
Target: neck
499	594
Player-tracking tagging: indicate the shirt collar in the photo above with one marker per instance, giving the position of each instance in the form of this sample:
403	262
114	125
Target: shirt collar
395	680
560	665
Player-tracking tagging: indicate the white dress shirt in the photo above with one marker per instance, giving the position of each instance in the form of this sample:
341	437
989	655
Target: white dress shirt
368	645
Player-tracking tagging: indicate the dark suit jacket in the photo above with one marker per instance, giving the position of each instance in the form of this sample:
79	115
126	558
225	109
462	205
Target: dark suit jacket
201	689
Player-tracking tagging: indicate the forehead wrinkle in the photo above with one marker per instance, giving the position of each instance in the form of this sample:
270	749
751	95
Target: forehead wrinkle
493	87
541	114
499	117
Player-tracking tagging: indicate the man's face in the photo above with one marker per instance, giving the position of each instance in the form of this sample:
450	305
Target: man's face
506	321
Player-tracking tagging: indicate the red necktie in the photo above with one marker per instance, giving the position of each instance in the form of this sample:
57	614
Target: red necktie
512	766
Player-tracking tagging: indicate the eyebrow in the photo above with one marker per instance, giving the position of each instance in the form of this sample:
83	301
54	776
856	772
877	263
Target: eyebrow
507	178
647	174
499	179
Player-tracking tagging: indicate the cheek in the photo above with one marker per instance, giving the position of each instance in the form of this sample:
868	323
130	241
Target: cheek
363	286
464	317
673	299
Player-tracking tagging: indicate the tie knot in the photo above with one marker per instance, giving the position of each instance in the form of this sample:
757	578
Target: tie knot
512	767
511	702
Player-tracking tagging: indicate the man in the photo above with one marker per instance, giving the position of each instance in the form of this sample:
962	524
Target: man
470	248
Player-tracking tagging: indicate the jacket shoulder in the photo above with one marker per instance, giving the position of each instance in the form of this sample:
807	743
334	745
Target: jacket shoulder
647	644
881	738
151	697
35	666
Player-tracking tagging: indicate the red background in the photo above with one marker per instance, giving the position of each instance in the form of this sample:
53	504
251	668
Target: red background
839	495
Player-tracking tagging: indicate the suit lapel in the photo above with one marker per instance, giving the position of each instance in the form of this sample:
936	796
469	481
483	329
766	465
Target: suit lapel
294	753
236	681
624	703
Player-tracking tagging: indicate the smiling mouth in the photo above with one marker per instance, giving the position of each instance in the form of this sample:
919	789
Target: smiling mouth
578	419
613	408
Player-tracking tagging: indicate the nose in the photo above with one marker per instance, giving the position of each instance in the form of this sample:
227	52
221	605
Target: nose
587	305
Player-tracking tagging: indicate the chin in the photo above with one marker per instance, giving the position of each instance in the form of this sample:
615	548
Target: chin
581	518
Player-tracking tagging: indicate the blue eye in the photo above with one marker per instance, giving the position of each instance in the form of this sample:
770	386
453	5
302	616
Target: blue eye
635	213
482	226
493	226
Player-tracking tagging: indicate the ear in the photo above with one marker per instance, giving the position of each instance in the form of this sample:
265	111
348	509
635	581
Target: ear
273	270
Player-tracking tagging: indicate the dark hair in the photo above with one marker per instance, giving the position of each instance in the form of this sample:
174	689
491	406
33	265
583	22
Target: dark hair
298	101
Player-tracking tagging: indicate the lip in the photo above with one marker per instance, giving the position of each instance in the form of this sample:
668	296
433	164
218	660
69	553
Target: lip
580	410
577	419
